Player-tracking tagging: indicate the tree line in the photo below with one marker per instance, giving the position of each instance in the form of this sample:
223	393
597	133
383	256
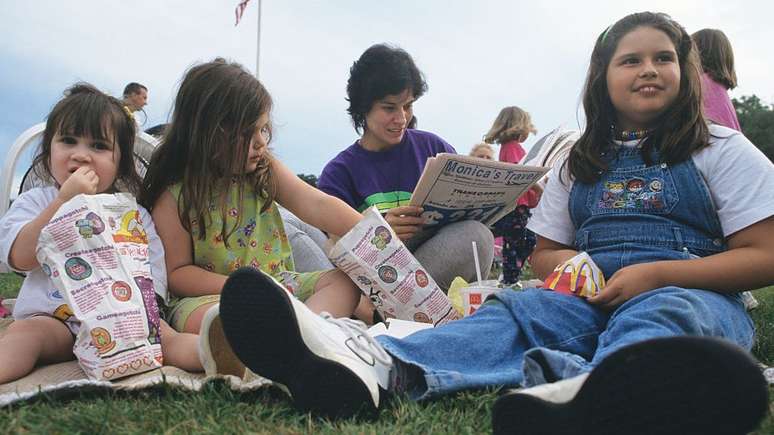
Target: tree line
757	121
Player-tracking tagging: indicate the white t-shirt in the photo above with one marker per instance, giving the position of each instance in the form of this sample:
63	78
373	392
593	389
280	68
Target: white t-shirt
740	180
38	294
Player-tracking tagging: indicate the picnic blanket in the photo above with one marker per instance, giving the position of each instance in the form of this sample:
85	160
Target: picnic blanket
68	376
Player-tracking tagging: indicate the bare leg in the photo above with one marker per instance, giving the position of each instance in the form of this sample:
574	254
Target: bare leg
32	341
180	349
194	321
334	293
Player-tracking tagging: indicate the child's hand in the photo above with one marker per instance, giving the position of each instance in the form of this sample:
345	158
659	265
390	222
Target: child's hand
627	283
405	220
83	180
537	191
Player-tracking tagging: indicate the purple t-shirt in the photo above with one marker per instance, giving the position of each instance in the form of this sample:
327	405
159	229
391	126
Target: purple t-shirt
363	178
717	106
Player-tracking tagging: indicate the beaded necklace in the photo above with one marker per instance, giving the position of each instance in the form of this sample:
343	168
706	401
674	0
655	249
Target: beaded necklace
626	135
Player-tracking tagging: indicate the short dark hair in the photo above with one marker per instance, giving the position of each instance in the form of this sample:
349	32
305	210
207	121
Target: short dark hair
380	71
86	111
717	57
134	88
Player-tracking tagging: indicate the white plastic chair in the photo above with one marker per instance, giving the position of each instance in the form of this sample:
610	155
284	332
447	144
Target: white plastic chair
143	149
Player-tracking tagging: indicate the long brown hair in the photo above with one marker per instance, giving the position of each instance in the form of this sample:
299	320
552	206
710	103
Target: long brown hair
87	111
717	56
205	147
679	131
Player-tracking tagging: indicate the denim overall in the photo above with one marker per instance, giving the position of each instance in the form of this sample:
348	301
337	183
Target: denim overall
636	213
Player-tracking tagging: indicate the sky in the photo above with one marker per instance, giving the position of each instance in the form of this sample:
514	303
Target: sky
477	57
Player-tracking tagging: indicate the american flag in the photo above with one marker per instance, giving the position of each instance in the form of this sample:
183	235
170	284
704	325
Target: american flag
240	9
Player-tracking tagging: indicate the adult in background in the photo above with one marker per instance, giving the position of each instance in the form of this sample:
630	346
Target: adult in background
135	96
383	166
717	62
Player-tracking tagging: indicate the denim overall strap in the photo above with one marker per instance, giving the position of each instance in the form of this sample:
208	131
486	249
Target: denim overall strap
638	213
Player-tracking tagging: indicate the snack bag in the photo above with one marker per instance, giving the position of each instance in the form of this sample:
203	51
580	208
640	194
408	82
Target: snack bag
578	276
386	271
95	250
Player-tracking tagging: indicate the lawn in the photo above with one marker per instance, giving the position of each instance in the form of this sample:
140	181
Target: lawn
219	410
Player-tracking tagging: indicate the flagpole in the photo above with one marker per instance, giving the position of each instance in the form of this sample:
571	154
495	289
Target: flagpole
258	44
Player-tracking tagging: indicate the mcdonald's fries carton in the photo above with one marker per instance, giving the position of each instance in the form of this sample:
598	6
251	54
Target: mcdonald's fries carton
578	276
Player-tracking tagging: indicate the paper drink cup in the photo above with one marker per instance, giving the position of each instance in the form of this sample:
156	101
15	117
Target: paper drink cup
475	294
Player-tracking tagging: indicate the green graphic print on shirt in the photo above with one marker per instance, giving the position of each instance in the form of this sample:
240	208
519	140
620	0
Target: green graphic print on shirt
259	241
386	200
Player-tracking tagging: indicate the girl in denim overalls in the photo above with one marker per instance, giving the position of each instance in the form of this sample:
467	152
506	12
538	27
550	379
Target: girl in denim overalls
676	213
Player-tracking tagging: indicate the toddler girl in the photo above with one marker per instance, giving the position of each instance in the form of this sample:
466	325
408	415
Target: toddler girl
87	148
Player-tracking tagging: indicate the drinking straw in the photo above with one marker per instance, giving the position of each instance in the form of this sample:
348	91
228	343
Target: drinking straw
478	265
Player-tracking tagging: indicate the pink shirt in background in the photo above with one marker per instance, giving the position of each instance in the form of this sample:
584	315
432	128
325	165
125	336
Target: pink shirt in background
717	104
513	152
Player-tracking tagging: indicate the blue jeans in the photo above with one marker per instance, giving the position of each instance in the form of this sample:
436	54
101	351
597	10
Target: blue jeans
535	336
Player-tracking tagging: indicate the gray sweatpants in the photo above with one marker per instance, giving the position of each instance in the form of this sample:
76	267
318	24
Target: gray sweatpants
447	252
307	243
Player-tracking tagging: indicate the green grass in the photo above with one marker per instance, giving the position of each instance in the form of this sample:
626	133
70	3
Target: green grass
9	285
216	409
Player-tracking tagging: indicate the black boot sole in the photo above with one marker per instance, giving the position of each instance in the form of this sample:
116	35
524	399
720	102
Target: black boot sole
679	385
260	324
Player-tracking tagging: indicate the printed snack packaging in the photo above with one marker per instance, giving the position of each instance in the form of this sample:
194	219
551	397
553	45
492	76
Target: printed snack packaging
95	250
384	269
578	276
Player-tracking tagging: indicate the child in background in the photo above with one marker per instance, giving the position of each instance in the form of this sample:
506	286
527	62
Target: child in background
719	76
512	127
87	148
212	186
653	195
483	151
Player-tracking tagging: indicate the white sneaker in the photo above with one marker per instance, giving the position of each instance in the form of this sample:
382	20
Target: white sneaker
556	392
215	353
677	385
331	366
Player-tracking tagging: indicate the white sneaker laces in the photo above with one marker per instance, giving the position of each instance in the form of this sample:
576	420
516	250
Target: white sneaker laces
356	330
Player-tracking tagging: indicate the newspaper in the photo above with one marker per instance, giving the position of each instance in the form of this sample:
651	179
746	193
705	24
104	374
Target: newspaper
551	148
388	274
454	188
